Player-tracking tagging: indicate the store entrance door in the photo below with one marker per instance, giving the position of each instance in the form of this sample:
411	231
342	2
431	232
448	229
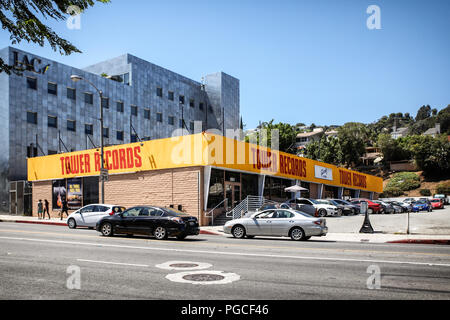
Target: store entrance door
232	194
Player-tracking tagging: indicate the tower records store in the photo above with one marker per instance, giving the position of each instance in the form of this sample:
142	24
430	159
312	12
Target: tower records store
193	173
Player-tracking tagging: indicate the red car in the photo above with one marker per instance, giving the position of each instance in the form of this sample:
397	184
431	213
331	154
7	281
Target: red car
437	203
373	207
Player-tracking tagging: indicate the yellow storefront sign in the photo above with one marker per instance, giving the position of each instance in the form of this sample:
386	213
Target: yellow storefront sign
197	150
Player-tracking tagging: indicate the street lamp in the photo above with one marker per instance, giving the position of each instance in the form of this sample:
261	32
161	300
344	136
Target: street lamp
76	78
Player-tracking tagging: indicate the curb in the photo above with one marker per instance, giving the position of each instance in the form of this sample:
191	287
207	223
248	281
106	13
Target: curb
62	224
210	232
36	222
422	241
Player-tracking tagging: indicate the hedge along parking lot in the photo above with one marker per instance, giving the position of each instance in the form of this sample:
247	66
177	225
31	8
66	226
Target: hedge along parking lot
436	222
401	182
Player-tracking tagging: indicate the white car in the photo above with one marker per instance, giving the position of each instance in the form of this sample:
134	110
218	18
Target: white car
89	215
323	207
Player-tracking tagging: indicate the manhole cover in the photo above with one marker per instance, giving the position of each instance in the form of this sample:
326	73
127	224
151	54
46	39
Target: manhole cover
203	277
183	265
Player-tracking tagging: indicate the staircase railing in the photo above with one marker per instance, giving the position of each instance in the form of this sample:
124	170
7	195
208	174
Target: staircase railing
211	212
249	204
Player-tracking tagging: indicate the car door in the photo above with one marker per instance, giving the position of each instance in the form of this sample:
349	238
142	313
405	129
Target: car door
86	215
260	225
128	220
97	213
146	220
281	223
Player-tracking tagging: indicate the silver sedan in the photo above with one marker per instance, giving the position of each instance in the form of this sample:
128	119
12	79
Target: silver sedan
277	223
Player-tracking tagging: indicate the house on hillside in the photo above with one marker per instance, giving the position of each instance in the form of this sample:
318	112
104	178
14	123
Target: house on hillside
399	132
372	156
305	138
433	131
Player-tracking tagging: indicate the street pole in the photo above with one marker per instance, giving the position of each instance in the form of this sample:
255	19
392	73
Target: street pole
101	147
407	228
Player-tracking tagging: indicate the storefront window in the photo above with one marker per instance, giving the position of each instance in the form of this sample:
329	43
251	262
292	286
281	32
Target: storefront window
90	191
59	193
274	189
232	176
74	194
216	188
249	185
330	192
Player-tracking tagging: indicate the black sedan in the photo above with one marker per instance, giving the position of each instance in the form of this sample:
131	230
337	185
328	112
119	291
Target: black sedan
149	220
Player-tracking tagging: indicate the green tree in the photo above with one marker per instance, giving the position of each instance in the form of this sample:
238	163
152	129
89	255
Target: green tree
22	19
432	155
423	113
393	150
287	136
443	118
353	138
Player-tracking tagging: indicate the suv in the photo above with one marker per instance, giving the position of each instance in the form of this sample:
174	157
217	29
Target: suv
323	207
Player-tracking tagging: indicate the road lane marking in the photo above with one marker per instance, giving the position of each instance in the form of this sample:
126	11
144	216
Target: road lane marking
277	256
114	263
246	245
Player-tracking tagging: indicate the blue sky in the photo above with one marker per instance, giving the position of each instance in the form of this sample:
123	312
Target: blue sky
310	61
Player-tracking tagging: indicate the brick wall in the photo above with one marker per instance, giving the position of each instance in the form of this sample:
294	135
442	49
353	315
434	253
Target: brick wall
43	190
160	188
313	190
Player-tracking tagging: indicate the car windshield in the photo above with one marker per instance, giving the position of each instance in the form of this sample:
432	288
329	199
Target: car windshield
335	203
435	200
314	201
174	213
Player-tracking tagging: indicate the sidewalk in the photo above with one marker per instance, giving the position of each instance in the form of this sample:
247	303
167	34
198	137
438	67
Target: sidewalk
370	238
330	237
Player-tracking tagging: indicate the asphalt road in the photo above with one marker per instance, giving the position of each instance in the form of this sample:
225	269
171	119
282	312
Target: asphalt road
36	262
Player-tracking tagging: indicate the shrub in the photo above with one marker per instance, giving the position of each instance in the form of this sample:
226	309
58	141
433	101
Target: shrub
391	192
404	181
443	188
425	192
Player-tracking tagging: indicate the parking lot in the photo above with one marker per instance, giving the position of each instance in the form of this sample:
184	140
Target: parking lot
436	222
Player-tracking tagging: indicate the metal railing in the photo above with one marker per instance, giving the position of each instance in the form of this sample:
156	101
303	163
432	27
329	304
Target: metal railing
249	204
211	212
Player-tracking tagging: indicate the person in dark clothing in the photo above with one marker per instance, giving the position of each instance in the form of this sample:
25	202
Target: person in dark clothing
40	208
46	209
65	208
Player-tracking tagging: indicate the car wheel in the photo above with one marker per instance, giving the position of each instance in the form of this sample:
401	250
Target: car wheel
71	223
238	232
107	229
369	211
181	237
297	234
322	213
160	233
339	213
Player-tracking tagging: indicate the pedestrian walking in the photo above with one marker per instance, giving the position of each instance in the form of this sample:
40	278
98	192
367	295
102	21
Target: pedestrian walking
65	208
46	209
40	209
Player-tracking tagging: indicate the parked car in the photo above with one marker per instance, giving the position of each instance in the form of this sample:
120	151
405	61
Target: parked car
409	200
404	207
385	207
422	205
355	207
89	215
323	208
345	210
277	222
443	197
373	207
437	203
296	205
150	220
397	208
